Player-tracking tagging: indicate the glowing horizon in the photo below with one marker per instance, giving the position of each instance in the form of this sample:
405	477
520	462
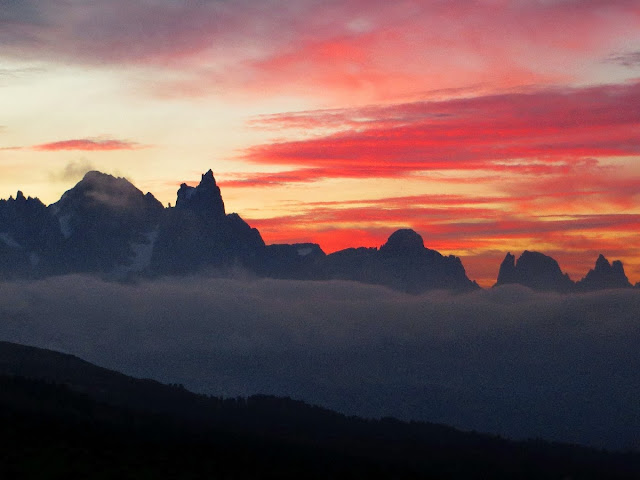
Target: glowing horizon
486	126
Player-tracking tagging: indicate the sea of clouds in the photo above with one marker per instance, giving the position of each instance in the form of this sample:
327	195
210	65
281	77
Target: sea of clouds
506	360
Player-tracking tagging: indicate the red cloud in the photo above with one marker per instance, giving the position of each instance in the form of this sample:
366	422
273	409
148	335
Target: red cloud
88	144
254	180
538	132
562	162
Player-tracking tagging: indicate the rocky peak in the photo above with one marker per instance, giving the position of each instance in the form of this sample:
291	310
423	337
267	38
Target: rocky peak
205	199
602	264
507	272
403	242
536	261
534	270
208	178
99	190
605	275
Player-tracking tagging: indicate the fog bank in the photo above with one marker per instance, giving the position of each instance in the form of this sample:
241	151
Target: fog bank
505	360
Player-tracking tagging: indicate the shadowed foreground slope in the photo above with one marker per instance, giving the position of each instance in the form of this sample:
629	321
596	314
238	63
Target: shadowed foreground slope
70	417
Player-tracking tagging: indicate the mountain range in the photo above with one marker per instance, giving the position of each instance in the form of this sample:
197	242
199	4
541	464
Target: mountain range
105	225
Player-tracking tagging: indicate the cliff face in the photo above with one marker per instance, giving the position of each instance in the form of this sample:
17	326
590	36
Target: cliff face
198	234
534	270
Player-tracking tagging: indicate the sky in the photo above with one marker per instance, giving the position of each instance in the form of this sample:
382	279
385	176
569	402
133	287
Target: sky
487	126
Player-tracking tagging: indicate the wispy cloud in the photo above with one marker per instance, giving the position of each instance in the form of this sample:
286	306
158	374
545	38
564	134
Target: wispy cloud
88	144
369	50
72	171
627	59
536	132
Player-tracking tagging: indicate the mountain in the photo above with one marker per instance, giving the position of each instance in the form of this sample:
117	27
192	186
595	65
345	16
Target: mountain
197	234
541	272
299	261
534	270
105	225
63	417
402	263
605	275
30	237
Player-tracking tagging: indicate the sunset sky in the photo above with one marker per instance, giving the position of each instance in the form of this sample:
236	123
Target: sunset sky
487	126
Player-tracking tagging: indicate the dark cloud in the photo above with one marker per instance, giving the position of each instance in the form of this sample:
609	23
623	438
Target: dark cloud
506	360
122	31
628	59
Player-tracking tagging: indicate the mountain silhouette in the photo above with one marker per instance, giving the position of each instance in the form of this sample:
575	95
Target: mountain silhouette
402	262
534	270
29	237
541	272
198	234
105	225
605	275
104	221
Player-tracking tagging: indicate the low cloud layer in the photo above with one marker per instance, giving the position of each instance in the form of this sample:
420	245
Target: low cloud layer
505	360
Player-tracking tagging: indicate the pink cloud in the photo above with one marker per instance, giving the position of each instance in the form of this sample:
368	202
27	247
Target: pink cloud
340	49
88	144
538	133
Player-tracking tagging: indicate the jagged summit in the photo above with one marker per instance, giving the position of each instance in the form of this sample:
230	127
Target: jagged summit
602	263
104	224
198	235
208	177
605	275
507	273
541	272
204	199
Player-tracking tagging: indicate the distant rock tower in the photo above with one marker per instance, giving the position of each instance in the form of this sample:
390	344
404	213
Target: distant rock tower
605	275
205	199
534	270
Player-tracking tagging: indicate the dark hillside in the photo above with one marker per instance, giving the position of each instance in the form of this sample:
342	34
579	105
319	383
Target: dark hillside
63	416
